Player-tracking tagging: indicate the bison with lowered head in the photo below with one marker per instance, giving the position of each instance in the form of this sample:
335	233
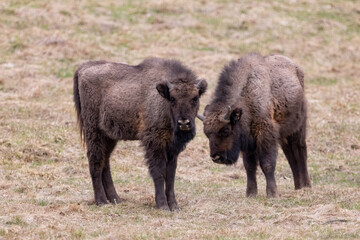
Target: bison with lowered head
258	103
155	102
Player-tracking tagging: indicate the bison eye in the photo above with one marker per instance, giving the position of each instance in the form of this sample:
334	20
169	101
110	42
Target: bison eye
172	99
224	132
195	100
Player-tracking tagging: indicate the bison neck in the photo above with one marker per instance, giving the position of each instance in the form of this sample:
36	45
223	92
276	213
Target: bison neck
246	143
243	143
181	138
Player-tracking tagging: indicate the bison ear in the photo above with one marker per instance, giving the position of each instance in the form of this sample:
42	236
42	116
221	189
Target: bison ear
202	86
206	109
235	116
163	90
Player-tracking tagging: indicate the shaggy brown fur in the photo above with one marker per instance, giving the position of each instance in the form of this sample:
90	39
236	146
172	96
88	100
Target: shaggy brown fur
155	102
267	106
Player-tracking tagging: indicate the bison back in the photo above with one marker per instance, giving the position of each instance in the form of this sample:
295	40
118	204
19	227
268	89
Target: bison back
289	103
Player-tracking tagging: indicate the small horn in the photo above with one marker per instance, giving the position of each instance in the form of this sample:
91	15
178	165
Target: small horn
201	117
198	84
227	114
170	85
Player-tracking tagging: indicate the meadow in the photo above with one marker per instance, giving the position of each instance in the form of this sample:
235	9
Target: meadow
45	185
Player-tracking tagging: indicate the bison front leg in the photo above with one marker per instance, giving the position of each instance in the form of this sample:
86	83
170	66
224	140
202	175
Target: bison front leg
250	164
157	169
267	161
170	181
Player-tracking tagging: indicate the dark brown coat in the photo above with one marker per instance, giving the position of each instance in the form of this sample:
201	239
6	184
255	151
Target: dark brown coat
259	102
155	102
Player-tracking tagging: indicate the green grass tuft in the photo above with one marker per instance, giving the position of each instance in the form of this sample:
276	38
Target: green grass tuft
17	221
321	81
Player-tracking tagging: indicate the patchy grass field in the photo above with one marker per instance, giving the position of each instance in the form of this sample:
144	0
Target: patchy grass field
45	187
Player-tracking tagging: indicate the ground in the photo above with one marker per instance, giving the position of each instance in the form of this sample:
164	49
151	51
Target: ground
45	186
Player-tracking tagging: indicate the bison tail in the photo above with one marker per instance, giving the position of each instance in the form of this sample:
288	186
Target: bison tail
78	105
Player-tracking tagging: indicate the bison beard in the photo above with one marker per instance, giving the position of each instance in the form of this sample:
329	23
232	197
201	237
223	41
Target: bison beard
241	143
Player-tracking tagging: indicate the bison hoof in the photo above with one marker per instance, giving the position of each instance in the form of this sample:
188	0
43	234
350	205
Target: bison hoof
306	185
174	207
251	192
164	207
251	195
101	202
272	194
115	200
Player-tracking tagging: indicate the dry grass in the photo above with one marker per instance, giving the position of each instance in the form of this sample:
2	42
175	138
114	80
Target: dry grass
45	186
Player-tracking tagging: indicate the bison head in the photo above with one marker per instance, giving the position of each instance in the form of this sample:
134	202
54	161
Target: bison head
183	99
225	134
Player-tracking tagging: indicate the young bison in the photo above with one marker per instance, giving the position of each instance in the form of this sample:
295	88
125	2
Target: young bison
259	101
155	102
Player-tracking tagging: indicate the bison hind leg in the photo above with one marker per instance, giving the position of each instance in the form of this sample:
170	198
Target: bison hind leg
295	150
99	149
95	157
267	162
111	195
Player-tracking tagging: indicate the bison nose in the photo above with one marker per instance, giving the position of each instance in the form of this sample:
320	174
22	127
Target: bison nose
184	124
